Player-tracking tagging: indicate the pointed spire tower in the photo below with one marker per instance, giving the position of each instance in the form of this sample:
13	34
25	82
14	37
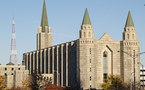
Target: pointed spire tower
86	20
130	45
129	29
86	27
44	20
86	46
129	22
44	35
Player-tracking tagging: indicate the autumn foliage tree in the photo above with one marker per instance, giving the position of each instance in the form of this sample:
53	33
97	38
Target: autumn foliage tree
50	86
113	82
26	83
18	88
2	85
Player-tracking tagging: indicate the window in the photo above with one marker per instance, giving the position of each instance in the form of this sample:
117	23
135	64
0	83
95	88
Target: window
105	66
5	74
90	50
18	68
89	34
90	60
90	86
12	68
12	73
90	78
90	69
5	68
84	34
105	76
132	36
128	36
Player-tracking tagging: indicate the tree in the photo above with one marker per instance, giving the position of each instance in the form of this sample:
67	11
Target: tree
18	88
137	84
35	81
50	86
26	84
2	85
113	82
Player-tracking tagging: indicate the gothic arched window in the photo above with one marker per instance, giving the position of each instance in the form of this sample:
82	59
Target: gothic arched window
84	34
132	36
105	65
128	36
89	34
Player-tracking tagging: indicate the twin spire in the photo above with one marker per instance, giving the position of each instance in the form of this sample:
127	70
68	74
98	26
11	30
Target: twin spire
44	20
86	20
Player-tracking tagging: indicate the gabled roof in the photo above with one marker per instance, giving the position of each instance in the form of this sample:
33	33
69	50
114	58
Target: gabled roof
129	21
86	20
106	37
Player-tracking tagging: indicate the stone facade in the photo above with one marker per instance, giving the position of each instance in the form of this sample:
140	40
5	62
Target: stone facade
14	75
85	62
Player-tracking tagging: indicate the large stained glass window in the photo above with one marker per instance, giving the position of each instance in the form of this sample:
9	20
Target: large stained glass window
105	65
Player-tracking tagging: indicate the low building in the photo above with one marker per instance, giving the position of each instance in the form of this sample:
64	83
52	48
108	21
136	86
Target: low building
49	77
14	74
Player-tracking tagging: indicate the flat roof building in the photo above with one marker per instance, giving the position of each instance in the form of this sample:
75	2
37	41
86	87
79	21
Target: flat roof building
14	74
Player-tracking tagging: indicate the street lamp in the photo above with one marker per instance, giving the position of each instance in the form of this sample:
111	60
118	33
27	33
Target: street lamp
143	73
131	81
133	56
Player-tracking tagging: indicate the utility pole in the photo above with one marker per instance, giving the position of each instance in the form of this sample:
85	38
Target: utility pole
134	67
133	56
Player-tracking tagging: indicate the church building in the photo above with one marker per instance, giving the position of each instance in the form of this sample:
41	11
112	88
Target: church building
85	62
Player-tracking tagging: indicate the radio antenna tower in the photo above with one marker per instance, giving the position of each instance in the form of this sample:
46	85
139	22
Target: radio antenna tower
13	53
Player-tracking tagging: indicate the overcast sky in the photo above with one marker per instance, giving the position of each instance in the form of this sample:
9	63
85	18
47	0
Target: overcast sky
65	18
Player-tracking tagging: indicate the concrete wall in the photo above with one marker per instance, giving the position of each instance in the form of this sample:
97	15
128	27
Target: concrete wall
14	75
70	62
59	60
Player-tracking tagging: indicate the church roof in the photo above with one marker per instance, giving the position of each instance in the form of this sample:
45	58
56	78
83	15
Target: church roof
106	37
86	20
44	20
129	22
